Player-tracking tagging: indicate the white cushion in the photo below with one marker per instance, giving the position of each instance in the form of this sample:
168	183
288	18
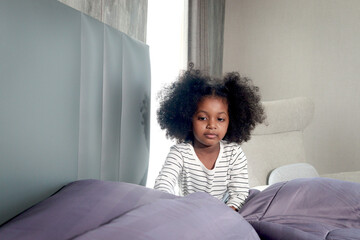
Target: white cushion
292	171
261	188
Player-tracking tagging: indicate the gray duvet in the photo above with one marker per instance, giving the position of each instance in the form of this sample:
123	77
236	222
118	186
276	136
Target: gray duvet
316	208
101	210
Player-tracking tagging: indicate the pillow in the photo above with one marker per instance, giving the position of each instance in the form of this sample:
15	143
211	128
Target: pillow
260	187
292	171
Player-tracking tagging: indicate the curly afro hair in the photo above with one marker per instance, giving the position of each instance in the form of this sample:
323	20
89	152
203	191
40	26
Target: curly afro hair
178	104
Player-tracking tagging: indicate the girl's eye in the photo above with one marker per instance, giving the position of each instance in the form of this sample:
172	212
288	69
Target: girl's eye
221	119
202	118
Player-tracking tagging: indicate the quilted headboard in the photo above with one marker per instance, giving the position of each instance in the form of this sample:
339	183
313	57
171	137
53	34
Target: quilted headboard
74	102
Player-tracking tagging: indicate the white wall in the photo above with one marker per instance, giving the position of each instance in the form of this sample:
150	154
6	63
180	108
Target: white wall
304	48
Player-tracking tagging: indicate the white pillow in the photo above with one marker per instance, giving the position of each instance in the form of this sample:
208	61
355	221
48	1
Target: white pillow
292	171
260	188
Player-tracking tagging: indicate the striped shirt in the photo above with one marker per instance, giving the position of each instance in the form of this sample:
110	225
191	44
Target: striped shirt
184	168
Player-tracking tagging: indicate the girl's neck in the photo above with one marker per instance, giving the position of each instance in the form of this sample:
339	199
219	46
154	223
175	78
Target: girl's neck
203	148
207	154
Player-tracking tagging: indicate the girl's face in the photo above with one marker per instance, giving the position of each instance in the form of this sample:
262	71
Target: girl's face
210	121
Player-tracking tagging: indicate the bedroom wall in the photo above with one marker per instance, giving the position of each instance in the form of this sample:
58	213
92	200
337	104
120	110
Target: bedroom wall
304	48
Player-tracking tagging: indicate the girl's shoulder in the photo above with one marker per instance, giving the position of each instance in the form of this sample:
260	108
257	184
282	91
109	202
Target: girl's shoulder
231	145
181	151
181	147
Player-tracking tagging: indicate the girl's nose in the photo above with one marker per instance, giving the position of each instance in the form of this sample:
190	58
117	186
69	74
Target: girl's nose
211	125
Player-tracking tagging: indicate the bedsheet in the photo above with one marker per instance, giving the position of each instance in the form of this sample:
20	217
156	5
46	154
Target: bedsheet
302	209
93	209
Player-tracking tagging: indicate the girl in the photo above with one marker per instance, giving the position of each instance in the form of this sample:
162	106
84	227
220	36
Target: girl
209	118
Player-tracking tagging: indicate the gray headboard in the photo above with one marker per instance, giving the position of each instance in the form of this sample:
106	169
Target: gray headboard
74	102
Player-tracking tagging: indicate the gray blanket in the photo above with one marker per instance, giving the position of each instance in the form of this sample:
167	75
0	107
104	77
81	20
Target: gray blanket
302	209
92	209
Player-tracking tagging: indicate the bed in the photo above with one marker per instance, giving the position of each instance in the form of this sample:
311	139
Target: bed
306	208
35	163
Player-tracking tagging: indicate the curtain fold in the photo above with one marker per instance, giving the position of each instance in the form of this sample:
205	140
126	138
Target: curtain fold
205	34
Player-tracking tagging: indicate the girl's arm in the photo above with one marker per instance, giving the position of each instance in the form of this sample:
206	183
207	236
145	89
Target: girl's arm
169	174
238	186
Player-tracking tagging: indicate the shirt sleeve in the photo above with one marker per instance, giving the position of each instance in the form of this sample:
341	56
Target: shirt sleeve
169	174
238	186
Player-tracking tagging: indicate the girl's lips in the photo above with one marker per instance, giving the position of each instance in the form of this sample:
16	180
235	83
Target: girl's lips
210	135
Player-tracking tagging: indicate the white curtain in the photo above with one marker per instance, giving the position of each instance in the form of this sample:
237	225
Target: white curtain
127	16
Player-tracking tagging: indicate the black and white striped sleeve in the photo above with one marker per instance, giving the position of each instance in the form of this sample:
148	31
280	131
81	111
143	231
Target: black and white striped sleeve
238	186
169	174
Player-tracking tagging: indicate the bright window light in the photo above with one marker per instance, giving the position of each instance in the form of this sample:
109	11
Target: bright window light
165	38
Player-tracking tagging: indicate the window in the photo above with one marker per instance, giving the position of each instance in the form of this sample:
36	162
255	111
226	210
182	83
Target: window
165	38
